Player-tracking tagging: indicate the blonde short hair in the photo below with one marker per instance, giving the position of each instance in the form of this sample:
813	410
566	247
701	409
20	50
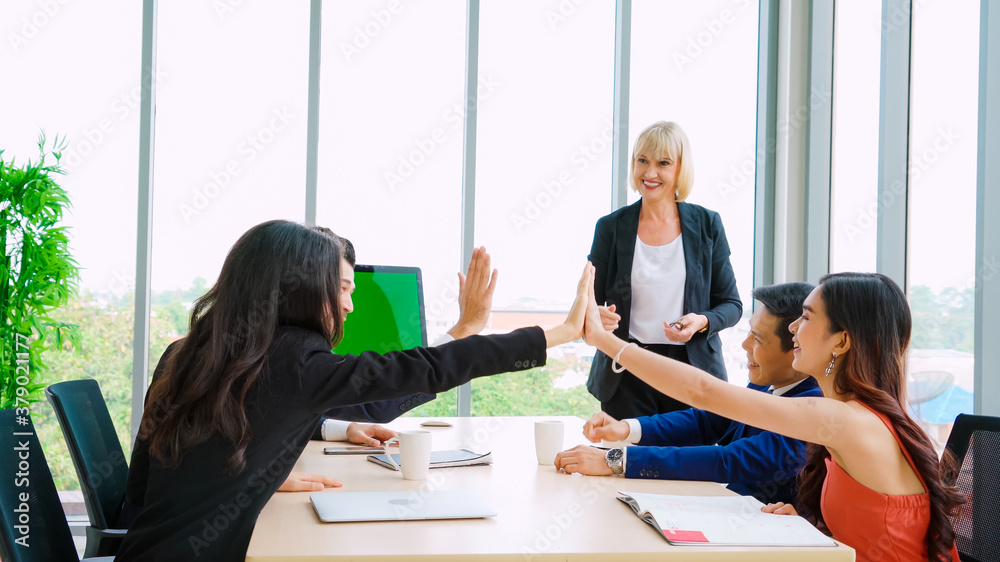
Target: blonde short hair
666	137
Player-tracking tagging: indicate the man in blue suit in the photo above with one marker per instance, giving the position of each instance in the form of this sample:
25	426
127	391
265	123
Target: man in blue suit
698	445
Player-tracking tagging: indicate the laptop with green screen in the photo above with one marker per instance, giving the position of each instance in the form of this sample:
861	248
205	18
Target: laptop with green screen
388	311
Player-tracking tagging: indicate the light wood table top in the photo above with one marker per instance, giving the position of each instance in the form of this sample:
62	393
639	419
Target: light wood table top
542	514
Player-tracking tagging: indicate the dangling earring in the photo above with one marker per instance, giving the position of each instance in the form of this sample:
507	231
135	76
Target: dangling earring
829	368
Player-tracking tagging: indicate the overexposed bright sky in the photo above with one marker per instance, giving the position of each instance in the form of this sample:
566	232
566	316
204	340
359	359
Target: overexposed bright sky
231	127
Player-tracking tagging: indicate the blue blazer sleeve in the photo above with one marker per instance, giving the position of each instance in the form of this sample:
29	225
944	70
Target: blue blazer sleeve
764	457
682	428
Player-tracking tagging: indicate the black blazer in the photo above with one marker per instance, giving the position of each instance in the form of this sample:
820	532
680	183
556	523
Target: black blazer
201	511
710	288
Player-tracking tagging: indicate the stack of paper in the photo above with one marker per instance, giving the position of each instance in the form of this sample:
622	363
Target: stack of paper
442	459
721	520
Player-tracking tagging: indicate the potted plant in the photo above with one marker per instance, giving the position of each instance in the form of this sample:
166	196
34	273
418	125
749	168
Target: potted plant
37	273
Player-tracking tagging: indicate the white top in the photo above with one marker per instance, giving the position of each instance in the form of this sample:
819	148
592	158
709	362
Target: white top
658	277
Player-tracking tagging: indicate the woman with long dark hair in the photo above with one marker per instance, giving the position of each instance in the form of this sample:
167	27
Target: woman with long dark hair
233	404
872	477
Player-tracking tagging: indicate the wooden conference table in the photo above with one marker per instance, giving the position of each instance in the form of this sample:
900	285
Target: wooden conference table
541	514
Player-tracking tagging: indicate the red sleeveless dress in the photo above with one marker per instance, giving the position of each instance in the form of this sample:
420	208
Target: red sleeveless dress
878	527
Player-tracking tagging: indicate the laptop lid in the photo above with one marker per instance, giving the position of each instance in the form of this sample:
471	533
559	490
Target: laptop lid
342	507
388	311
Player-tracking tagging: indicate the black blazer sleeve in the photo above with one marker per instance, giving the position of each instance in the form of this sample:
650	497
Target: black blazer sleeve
724	300
374	412
601	253
328	380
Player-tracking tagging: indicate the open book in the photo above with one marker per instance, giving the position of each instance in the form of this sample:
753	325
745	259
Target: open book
721	520
442	459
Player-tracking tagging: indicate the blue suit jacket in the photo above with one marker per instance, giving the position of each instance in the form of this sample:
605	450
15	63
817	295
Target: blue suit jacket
710	288
698	445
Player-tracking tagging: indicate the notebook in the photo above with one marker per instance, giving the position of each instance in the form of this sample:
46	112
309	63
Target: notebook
442	459
721	520
343	507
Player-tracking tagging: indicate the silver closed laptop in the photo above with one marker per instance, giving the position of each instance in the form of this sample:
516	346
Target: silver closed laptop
342	507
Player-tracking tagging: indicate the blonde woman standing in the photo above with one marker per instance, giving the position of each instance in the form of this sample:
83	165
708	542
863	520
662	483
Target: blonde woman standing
663	277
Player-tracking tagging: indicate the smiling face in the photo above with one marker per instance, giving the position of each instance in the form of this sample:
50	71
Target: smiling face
814	344
767	363
655	175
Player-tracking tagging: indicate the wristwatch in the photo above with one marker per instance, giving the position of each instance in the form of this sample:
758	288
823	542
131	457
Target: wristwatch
614	459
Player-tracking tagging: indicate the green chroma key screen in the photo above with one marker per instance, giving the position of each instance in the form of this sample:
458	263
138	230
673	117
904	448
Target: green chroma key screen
388	311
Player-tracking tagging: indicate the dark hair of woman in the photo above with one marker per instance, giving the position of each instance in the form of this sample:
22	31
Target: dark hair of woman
279	273
873	311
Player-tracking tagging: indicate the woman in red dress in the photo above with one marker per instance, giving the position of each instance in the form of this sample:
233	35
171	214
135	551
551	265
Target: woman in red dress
872	477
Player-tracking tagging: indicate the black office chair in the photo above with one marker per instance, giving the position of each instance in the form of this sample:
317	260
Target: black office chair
33	526
975	442
98	457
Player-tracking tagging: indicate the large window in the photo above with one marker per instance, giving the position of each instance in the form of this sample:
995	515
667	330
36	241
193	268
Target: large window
230	140
543	178
390	151
854	179
944	92
64	77
696	64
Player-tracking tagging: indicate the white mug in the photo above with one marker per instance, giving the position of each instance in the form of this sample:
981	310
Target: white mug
548	440
414	453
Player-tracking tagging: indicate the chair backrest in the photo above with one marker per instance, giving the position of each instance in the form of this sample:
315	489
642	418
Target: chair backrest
94	447
975	442
33	525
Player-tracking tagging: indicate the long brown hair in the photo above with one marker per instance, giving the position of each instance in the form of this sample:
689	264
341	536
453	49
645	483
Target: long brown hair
279	273
873	311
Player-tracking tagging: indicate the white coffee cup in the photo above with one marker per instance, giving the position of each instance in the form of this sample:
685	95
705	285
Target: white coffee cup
414	453
548	440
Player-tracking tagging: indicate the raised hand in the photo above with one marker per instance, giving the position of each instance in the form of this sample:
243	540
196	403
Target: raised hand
602	426
475	295
572	328
594	324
